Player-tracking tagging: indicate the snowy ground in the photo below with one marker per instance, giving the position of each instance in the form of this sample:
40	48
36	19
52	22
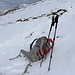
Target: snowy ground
15	36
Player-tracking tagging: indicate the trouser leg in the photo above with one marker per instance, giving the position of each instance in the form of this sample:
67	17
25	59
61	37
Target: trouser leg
27	54
21	51
27	67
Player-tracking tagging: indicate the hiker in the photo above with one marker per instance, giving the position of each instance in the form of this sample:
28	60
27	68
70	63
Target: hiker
39	50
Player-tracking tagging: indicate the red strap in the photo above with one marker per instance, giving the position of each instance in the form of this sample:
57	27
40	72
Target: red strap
43	49
50	40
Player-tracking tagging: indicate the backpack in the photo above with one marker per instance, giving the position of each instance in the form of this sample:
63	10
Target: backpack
42	46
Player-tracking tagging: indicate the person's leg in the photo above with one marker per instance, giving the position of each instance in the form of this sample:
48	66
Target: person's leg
21	51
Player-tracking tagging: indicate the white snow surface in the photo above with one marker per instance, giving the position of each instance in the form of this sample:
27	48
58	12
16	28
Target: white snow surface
15	36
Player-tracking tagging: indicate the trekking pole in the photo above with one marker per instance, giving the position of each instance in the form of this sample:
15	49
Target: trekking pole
56	21
52	24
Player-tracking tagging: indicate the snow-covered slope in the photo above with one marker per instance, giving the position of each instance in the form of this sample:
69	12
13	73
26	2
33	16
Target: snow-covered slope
15	36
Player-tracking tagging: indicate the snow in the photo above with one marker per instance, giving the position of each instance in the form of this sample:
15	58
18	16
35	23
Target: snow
15	36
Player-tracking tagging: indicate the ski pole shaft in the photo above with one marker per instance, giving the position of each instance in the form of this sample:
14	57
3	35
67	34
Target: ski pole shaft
50	60
56	21
51	51
52	24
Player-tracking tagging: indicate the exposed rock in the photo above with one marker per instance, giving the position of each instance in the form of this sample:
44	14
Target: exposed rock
6	11
21	6
2	11
58	12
